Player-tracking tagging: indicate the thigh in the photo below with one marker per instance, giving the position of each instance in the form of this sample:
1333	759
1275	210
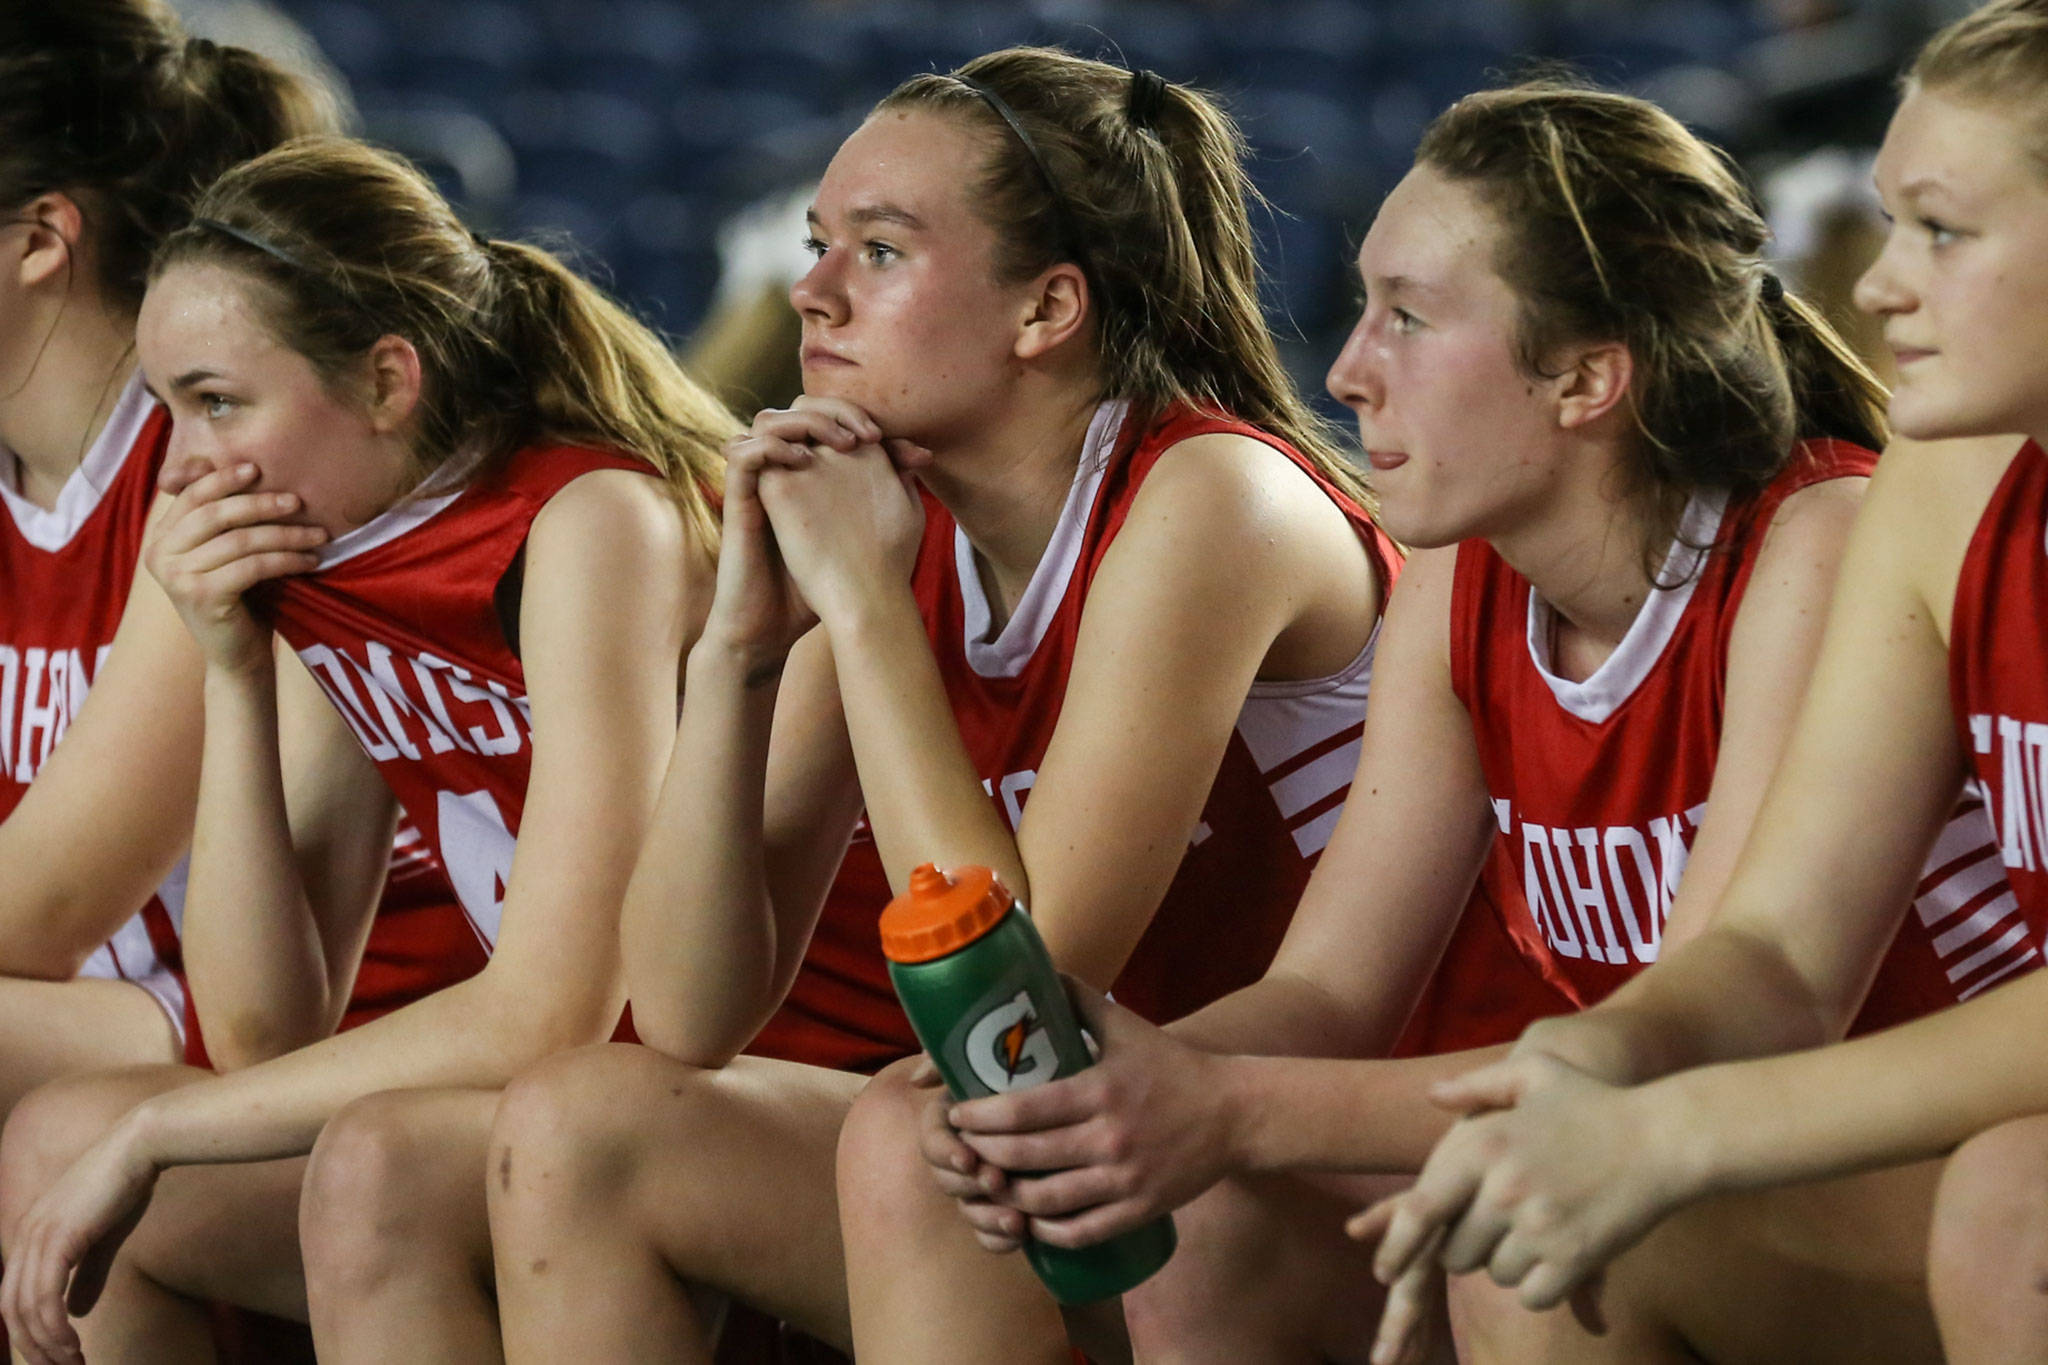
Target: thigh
728	1174
50	1029
1825	1273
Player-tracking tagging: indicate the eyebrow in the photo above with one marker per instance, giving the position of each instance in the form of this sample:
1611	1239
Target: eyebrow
1401	284
192	377
876	213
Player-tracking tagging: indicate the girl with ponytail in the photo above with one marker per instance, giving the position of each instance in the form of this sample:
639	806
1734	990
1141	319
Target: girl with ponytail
1627	460
474	498
1049	571
110	123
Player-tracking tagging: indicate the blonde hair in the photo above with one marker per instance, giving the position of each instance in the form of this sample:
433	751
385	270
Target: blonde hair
350	244
1994	55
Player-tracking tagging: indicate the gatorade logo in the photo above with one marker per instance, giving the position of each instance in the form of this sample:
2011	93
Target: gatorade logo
1008	1049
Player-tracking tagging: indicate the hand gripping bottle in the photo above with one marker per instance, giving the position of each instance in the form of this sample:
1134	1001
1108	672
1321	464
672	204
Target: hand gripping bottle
981	991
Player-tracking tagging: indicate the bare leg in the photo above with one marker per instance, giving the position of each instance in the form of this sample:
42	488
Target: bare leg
396	1240
228	1233
619	1176
1828	1273
1988	1257
50	1029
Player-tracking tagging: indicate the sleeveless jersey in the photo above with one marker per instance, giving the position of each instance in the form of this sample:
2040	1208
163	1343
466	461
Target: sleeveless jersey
1598	786
67	572
1270	810
1998	684
399	624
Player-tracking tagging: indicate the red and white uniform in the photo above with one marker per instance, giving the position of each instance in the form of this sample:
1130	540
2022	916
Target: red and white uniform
1276	796
1598	786
400	626
1998	684
67	571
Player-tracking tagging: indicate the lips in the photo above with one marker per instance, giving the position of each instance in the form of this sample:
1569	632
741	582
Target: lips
1384	460
1906	355
819	355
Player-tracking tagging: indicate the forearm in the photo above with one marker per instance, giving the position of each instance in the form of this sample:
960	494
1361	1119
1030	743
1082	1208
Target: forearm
1296	1113
698	929
1725	996
1908	1093
476	1034
925	800
252	947
1279	1015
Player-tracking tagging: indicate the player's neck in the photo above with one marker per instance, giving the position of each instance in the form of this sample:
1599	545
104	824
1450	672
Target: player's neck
57	404
1006	483
1582	550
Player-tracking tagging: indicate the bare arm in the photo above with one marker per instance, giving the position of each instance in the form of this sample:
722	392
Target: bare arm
108	816
290	850
601	660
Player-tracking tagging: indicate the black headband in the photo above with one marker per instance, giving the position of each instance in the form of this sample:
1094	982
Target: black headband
1052	187
250	239
1146	99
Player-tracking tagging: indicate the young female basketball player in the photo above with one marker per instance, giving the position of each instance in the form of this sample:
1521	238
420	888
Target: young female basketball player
109	122
1118	653
1574	373
474	498
1930	679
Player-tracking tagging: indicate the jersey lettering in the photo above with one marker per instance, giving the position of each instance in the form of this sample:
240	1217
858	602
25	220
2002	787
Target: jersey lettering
2012	756
1603	892
442	708
41	691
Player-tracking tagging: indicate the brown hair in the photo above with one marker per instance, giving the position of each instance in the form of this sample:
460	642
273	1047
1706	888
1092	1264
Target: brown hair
351	244
1618	224
107	101
1153	210
1997	54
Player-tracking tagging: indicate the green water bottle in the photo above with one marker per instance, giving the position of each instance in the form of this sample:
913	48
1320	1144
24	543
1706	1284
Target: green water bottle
983	996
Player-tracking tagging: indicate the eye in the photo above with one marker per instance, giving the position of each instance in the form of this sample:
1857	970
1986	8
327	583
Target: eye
880	253
815	245
1938	233
1405	321
215	406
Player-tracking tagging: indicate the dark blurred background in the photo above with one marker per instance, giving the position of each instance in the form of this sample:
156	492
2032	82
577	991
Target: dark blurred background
673	142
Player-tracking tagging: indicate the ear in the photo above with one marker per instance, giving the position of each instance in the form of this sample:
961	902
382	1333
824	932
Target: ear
56	227
1055	312
1594	383
393	383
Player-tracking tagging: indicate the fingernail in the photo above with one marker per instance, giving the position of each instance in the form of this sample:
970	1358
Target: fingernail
245	470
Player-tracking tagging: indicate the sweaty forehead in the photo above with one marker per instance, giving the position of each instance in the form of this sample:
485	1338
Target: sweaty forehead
922	162
196	315
1429	230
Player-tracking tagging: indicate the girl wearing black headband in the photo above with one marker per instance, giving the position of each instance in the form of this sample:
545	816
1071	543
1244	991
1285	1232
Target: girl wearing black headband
1131	588
109	121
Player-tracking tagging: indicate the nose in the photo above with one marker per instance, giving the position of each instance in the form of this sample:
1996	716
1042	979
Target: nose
1882	290
1354	378
820	296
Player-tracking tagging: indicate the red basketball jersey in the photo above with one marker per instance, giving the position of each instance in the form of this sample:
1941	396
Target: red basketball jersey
1269	812
66	572
1598	786
1998	682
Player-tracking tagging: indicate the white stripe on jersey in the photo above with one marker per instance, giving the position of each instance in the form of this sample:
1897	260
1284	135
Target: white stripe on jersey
1964	889
1284	723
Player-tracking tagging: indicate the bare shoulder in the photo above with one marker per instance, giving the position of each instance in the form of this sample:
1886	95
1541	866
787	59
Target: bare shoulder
1924	505
612	502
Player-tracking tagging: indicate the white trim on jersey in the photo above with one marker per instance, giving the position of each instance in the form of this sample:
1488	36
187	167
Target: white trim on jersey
1283	724
1622	672
51	529
381	529
1006	655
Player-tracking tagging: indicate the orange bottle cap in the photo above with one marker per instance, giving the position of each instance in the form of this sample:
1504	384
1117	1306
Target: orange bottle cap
941	914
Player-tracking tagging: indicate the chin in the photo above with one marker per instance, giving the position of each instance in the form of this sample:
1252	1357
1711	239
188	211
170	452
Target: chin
1925	418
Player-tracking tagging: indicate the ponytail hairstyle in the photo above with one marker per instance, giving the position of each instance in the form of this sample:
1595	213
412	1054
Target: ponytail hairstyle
1996	55
348	244
1618	224
107	101
1141	183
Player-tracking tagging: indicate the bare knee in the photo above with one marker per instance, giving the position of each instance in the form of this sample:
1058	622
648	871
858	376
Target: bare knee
1989	1242
52	1124
567	1143
881	1167
374	1198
